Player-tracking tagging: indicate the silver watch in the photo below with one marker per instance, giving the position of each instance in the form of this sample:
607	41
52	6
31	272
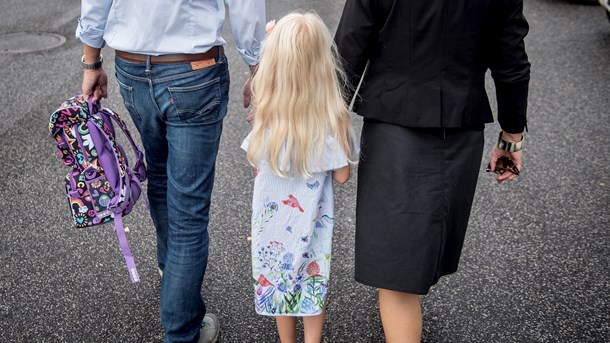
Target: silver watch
92	66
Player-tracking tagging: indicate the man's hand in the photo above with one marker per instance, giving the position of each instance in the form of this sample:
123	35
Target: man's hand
516	157
247	91
95	83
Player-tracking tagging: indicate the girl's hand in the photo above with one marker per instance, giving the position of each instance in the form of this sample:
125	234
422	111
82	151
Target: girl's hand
341	175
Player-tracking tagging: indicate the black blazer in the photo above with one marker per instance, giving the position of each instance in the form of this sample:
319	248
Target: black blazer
428	60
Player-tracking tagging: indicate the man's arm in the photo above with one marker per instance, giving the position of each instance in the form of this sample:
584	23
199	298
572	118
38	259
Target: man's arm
248	28
90	30
95	81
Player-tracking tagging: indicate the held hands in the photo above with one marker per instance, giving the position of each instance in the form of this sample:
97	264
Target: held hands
95	83
247	91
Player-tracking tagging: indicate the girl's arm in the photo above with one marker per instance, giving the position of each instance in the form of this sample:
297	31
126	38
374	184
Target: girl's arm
341	175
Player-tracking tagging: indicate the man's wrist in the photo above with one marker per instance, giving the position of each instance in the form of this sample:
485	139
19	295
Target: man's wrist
97	64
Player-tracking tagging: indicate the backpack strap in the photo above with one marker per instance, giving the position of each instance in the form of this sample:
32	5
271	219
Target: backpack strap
139	169
121	188
102	120
129	260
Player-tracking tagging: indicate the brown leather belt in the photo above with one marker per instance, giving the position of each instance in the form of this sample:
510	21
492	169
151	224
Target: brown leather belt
170	58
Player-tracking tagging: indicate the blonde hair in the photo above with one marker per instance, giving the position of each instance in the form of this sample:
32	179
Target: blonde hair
298	98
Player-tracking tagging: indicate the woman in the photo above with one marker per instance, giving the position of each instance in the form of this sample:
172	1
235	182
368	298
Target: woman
424	105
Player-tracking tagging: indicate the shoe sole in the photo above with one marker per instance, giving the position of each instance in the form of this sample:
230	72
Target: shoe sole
215	339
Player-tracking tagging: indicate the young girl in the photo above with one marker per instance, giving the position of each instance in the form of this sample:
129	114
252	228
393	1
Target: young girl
300	141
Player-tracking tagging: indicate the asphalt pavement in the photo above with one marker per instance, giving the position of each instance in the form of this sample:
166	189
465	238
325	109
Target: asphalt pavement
535	266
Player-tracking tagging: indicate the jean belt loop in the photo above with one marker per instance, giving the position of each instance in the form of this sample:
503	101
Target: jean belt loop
147	63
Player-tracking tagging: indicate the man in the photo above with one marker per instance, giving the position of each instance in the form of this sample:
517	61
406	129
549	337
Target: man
174	81
424	104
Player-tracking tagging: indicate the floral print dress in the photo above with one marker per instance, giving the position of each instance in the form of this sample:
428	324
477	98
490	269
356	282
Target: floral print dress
292	226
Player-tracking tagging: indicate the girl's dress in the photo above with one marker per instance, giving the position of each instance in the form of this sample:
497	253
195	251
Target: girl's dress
292	226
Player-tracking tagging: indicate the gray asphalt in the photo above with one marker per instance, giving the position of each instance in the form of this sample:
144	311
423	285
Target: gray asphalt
535	266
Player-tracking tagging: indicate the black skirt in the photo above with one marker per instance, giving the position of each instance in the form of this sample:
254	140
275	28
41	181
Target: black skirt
415	191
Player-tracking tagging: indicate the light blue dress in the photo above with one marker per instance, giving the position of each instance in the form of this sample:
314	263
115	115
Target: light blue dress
292	227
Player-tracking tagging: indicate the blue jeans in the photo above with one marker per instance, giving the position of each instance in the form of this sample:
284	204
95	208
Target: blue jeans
178	112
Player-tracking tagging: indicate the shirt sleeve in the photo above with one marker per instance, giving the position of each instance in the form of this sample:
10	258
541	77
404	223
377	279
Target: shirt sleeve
247	19
244	144
92	22
334	157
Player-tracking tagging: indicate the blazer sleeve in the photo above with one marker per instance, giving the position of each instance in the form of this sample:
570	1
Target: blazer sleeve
354	37
510	67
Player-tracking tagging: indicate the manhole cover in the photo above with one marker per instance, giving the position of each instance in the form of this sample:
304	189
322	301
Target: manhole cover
20	42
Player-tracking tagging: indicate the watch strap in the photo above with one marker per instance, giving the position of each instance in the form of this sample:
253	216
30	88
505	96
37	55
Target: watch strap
92	66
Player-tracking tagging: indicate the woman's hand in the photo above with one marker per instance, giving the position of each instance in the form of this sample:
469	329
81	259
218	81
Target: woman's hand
516	157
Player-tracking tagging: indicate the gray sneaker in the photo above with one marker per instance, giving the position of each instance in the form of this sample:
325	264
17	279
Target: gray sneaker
209	329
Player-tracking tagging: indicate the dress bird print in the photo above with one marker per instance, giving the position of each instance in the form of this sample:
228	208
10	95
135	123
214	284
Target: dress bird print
293	202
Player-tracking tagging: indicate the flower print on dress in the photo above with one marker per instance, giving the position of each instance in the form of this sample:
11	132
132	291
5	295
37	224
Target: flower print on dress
313	269
323	221
308	306
287	262
264	301
272	206
268	257
258	223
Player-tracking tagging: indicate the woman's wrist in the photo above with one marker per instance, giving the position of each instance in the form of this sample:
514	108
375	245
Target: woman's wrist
512	137
511	142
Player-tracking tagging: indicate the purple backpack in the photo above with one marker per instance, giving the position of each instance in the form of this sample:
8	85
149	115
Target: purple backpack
101	186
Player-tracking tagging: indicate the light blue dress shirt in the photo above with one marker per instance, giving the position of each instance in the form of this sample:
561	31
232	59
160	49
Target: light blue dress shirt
159	27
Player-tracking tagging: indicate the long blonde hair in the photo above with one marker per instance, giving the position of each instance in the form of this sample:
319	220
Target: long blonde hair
298	98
